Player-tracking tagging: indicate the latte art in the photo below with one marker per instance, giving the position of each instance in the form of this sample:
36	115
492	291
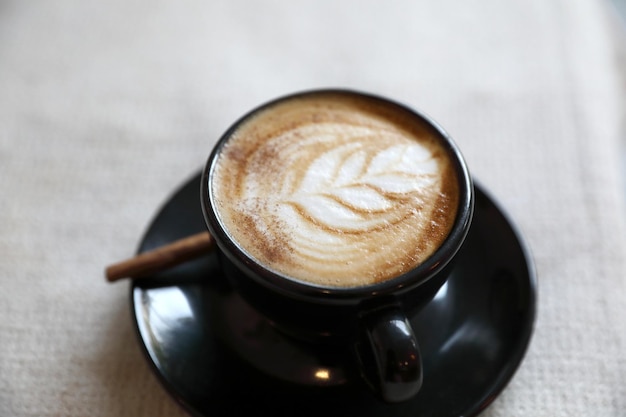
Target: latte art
335	190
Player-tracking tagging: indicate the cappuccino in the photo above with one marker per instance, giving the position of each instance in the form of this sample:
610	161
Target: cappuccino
335	189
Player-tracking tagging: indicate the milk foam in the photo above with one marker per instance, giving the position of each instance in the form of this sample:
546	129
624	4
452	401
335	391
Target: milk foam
334	192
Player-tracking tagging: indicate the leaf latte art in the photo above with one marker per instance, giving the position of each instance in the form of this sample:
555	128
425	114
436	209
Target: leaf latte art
335	190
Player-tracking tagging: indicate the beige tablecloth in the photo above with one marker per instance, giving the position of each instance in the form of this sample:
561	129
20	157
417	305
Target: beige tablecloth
106	107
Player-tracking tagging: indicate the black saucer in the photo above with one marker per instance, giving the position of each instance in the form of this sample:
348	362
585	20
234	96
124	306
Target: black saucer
473	335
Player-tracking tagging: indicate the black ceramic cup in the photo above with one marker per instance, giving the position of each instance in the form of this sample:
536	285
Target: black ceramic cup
370	321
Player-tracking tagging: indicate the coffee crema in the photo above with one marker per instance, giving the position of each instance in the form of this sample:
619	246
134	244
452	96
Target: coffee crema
335	189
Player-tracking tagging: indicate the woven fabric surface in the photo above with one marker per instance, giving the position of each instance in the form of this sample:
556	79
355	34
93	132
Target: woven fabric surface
106	107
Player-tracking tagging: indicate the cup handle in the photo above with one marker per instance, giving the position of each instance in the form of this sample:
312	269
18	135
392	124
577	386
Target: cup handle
389	356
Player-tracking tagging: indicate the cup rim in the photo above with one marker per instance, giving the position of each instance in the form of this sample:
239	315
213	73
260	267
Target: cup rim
293	287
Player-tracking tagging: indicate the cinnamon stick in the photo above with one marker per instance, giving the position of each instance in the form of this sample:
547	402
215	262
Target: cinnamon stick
164	257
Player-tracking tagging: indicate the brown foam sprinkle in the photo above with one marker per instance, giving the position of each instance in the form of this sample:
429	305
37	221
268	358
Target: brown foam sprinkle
290	211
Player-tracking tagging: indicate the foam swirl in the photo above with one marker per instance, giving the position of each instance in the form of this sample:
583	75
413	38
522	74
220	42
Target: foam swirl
330	191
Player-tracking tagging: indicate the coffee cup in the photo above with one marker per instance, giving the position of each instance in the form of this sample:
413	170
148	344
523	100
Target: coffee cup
337	216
